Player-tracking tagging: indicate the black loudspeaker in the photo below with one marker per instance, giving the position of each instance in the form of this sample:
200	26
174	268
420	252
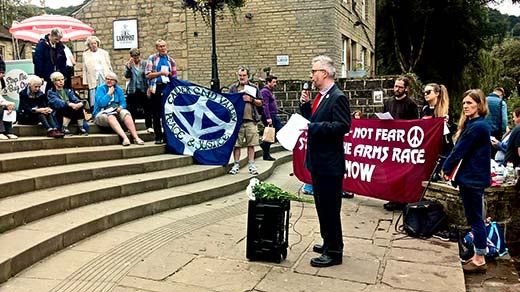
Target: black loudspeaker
267	230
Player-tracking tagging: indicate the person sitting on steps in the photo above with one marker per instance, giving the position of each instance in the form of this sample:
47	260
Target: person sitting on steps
110	110
34	108
66	105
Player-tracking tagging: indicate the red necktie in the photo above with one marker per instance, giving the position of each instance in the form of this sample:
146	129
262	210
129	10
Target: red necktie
316	102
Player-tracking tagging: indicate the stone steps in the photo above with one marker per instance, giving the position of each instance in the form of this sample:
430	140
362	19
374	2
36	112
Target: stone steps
56	195
51	157
30	130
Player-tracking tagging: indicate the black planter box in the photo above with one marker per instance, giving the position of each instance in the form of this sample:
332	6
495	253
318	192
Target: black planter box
268	230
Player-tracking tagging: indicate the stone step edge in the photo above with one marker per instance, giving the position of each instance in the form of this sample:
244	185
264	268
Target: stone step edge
37	130
70	201
48	177
67	156
18	262
34	143
108	190
45	180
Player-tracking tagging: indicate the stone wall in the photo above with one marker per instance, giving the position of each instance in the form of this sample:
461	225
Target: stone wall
359	92
502	205
300	29
156	19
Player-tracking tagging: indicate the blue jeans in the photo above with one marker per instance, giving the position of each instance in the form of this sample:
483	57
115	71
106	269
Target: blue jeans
472	199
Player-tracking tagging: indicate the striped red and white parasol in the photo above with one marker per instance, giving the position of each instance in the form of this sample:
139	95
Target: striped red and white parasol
34	28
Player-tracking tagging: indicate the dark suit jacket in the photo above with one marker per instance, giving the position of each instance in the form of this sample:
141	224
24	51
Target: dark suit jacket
328	125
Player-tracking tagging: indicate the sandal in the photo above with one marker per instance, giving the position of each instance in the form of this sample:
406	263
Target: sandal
138	141
471	268
126	142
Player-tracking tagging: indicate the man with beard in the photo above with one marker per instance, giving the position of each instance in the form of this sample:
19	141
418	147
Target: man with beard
400	106
248	133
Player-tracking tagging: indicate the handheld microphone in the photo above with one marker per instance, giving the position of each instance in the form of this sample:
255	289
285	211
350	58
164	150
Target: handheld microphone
305	86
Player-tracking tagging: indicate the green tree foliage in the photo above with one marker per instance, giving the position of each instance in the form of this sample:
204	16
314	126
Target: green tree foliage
509	53
435	39
11	10
204	6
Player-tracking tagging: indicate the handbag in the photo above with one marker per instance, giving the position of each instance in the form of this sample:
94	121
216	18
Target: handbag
268	135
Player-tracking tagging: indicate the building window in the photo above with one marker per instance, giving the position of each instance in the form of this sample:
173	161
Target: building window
344	57
353	55
2	51
362	59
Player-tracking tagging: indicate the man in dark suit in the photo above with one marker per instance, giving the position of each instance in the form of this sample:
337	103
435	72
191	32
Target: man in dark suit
325	159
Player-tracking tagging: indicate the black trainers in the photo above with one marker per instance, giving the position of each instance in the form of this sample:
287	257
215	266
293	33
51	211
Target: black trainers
443	235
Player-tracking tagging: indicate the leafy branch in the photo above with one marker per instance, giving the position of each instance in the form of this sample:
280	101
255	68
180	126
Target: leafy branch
204	6
267	191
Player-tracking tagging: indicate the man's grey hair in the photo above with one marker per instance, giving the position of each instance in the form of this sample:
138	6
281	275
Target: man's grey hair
34	80
243	68
327	64
56	75
56	32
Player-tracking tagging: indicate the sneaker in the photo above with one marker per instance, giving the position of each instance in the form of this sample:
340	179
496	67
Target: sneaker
82	131
150	130
55	134
252	169
443	235
234	169
12	136
3	137
66	132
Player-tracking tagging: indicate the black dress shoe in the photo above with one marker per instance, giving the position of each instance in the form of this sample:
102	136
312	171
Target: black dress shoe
269	158
347	195
326	261
391	206
317	248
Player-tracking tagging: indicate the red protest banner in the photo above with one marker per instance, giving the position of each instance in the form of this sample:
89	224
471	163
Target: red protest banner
385	159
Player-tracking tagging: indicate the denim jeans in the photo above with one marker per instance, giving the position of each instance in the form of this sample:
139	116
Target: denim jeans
472	199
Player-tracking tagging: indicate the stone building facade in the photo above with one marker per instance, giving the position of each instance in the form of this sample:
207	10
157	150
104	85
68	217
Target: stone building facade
262	32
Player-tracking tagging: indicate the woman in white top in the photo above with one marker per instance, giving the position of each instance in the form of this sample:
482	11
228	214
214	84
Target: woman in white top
96	65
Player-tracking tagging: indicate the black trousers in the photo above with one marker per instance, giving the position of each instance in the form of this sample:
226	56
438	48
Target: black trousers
157	111
136	99
327	196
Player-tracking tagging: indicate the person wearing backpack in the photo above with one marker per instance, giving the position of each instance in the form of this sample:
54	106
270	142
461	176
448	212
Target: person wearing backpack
468	167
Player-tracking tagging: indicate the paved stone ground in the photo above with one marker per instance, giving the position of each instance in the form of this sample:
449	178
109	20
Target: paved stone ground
202	248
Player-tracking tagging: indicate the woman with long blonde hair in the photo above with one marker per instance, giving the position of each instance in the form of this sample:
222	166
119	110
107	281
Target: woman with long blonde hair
438	106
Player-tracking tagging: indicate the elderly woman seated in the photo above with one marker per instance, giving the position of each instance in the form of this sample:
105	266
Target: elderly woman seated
110	110
7	117
66	105
34	108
